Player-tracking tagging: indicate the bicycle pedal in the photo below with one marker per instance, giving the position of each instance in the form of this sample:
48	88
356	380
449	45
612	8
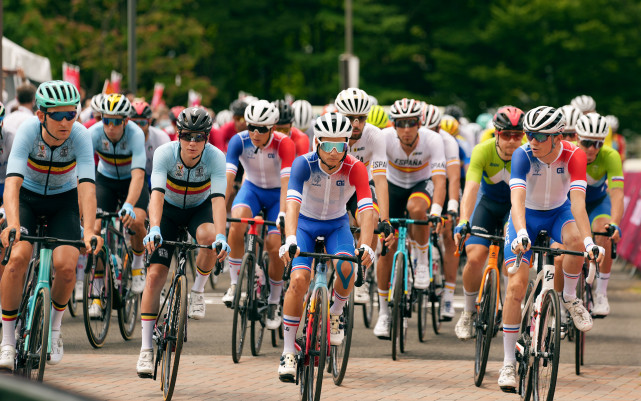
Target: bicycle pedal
145	375
599	316
509	389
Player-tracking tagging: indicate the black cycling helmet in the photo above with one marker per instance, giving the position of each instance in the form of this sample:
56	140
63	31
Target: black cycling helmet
194	119
454	111
285	112
238	107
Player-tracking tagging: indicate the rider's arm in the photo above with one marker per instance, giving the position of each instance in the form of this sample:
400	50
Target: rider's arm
472	182
138	162
469	199
87	203
135	186
358	179
232	159
615	185
300	173
453	169
218	188
437	165
155	207
286	153
219	213
577	170
86	180
382	196
518	176
379	174
616	210
12	186
161	163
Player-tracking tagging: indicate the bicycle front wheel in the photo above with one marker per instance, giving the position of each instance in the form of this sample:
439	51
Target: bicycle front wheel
368	307
484	324
579	336
546	363
397	309
258	302
423	308
36	357
130	302
241	308
175	335
436	287
340	353
96	303
316	331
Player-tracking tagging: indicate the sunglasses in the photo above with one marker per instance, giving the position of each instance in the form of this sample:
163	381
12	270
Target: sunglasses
142	123
116	122
406	123
507	135
587	143
329	146
539	136
193	136
260	129
62	115
356	119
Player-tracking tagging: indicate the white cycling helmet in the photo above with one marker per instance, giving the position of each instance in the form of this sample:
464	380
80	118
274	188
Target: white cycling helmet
223	117
544	120
116	104
432	116
303	114
405	108
261	113
571	115
613	121
96	103
592	126
332	125
584	103
353	102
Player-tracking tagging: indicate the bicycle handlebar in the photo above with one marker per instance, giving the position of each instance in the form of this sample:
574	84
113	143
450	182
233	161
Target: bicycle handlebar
252	221
100	214
553	252
385	232
360	272
609	232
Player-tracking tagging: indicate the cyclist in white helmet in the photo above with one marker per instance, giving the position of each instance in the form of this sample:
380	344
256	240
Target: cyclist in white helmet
585	103
571	115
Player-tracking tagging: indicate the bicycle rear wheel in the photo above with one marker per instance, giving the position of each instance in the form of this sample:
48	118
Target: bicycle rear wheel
368	308
72	305
397	309
579	336
130	302
340	354
259	307
100	291
523	371
35	358
436	287
484	324
175	335
316	331
546	362
241	307
423	308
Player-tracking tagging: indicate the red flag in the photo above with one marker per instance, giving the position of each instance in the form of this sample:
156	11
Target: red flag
71	73
195	98
157	98
116	79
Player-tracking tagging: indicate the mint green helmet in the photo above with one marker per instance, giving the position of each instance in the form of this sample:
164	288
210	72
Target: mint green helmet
56	93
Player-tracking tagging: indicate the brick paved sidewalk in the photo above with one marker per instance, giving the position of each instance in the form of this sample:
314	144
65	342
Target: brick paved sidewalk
113	377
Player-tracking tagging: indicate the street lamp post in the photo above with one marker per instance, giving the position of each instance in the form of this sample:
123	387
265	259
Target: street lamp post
131	43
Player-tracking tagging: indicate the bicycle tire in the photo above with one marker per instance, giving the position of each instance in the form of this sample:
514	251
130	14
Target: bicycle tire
423	309
72	304
368	308
130	302
340	354
549	343
484	323
241	309
319	326
36	349
579	336
259	308
436	289
98	328
523	370
176	325
397	311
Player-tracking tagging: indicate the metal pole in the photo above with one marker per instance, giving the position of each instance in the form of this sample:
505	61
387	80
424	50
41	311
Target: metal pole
348	27
131	43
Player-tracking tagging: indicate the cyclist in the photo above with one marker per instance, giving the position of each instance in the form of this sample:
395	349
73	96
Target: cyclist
50	171
378	117
172	129
543	171
618	140
267	157
96	110
490	172
188	189
367	145
284	125
571	115
584	103
120	178
416	182
220	138
154	137
303	117
321	184
603	198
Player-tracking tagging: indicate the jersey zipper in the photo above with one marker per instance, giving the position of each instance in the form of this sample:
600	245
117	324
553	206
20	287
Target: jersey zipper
186	187
115	162
49	172
326	197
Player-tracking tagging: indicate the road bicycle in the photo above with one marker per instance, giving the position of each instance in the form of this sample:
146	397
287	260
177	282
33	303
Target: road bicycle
429	300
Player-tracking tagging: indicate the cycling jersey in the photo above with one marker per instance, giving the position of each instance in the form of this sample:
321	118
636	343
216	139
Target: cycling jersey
118	159
488	169
155	138
324	196
427	158
370	150
188	186
264	167
547	185
220	137
450	149
607	162
301	141
49	171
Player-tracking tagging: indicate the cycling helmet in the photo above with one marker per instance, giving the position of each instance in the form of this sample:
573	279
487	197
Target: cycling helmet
432	116
194	119
140	110
613	122
285	112
377	117
483	119
56	93
449	124
353	102
223	117
454	111
584	103
2	110
592	126
373	101
329	108
571	115
261	113
509	118
405	108
544	120
116	104
238	107
174	112
303	114
332	125
96	103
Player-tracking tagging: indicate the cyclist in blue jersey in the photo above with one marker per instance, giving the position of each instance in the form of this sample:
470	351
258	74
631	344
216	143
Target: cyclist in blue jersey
120	178
188	189
320	186
50	171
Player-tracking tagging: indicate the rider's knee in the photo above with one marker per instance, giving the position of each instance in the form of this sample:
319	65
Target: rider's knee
272	243
298	283
205	234
516	290
155	277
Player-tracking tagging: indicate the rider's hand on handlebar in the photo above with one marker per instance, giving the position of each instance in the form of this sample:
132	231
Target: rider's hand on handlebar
522	242
127	214
149	242
463	225
439	223
591	249
616	235
221	239
386	227
368	256
283	252
87	240
5	235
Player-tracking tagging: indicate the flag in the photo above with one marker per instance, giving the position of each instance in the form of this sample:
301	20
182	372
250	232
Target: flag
116	79
71	73
156	100
194	98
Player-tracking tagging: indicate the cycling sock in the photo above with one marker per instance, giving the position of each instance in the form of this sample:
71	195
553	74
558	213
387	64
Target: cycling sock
422	254
98	284
9	327
147	320
510	335
602	284
201	280
382	302
137	262
448	294
470	300
234	269
80	267
57	311
290	327
339	302
275	291
569	285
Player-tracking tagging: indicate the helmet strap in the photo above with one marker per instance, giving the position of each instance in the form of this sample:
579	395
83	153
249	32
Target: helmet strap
44	125
552	149
411	144
328	166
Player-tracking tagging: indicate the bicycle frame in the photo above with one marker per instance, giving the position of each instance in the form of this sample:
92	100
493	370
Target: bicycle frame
493	264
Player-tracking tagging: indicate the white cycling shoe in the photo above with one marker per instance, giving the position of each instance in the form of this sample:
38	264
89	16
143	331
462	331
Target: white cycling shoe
422	278
463	328
287	368
580	316
507	378
601	306
57	348
382	328
228	298
337	332
145	365
196	309
7	357
361	294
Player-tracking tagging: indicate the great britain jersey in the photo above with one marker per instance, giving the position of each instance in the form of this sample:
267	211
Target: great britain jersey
370	150
116	160
186	187
47	170
324	196
264	167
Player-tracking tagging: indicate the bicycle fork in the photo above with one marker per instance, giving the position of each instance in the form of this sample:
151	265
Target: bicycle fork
43	282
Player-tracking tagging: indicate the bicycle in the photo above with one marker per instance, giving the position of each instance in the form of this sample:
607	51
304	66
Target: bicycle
314	344
433	294
538	345
170	330
33	322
